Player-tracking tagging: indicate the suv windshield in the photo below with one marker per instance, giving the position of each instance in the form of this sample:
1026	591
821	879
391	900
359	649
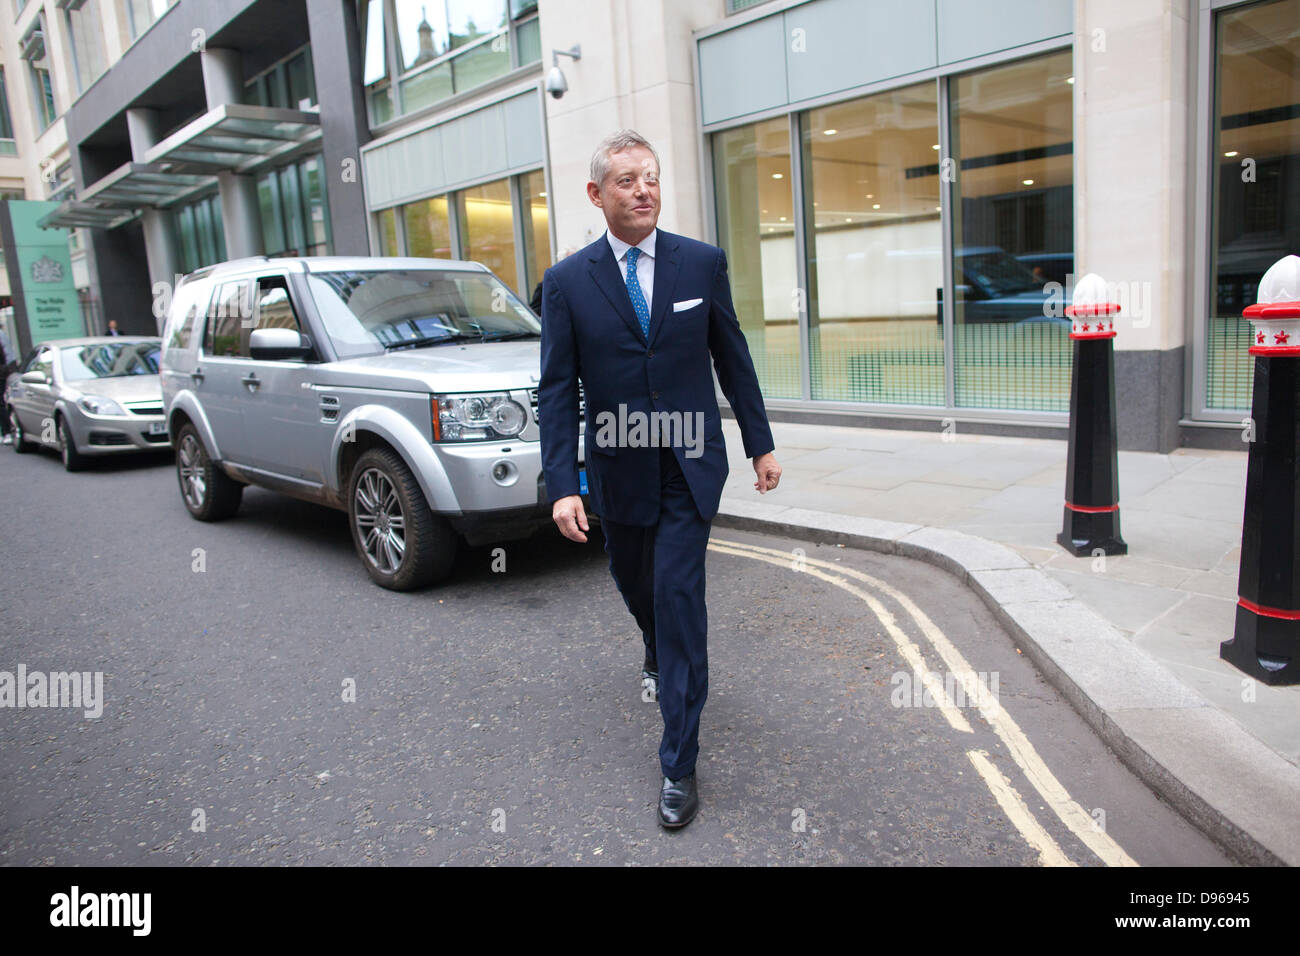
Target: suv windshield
110	360
366	311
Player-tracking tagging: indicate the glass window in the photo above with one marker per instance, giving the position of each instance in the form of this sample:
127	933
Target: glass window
190	304
756	228
874	330
229	321
301	80
317	220
274	307
86	36
485	62
470	20
487	229
421	31
6	123
1256	216
268	203
142	14
536	229
428	229
375	66
388	233
1013	142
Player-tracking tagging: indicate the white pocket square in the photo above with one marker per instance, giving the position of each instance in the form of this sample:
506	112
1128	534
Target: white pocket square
686	304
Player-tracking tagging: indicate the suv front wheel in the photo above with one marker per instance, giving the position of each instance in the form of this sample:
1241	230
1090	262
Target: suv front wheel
401	542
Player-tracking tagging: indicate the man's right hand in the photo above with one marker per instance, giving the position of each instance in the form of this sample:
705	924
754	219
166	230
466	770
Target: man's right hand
571	518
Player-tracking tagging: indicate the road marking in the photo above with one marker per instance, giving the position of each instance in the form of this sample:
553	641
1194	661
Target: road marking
1049	853
1079	821
911	653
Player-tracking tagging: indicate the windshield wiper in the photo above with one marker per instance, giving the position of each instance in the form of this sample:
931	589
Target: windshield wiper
511	335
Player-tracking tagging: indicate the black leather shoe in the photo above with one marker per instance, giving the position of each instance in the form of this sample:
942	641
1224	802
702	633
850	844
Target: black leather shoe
678	802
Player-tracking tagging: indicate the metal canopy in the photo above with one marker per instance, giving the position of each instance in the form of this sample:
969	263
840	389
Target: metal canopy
75	214
234	137
133	185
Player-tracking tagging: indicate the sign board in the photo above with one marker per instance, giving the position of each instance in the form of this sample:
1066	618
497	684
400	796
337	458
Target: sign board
40	274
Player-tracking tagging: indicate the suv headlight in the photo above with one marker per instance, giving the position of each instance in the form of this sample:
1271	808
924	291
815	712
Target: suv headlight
480	417
98	405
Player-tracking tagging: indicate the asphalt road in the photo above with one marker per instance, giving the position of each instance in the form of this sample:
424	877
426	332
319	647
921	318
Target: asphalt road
497	718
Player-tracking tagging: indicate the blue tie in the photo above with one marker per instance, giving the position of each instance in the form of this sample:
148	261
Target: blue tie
635	294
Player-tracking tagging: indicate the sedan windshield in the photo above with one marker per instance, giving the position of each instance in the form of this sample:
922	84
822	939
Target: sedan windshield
367	311
110	360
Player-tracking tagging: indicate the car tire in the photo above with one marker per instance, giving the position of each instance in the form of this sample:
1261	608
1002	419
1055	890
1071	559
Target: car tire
208	492
73	460
21	443
400	541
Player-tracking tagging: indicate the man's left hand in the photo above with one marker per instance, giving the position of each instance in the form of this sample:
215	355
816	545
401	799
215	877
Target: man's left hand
768	472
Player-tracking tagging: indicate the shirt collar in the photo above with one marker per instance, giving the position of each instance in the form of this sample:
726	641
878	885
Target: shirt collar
646	245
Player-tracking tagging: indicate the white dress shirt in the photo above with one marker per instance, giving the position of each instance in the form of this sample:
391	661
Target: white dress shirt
645	263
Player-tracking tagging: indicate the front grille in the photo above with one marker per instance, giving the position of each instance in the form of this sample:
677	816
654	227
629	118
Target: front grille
156	439
582	404
153	408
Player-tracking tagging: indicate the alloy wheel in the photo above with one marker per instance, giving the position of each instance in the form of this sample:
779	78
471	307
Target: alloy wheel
194	484
381	525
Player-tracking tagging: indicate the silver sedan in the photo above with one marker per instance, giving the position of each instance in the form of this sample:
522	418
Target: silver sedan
89	396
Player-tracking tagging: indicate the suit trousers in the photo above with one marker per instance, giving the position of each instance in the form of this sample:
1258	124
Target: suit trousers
659	571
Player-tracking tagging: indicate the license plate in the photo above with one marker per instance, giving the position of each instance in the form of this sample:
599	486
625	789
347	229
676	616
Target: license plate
157	428
582	481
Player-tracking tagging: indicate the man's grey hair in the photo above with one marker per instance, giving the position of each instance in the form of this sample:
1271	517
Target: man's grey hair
616	143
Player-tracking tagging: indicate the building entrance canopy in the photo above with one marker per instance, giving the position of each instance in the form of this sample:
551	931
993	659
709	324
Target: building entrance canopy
234	137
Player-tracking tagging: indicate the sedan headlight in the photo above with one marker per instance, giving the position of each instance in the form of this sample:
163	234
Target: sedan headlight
98	405
481	417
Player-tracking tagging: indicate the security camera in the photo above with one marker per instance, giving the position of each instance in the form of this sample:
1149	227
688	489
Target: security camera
556	84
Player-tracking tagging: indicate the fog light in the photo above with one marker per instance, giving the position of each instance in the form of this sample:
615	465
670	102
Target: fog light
504	473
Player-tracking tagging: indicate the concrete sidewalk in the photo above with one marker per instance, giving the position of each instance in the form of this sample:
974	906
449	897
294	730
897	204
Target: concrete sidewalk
1133	641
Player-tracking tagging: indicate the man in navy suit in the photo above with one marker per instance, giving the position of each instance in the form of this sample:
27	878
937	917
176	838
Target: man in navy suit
636	316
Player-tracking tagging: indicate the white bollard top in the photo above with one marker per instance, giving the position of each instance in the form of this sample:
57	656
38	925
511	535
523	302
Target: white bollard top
1276	312
1091	312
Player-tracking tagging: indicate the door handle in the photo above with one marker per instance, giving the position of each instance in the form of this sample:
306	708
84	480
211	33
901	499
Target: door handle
251	381
197	376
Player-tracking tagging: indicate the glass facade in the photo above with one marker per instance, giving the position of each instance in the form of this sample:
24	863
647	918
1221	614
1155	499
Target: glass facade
535	229
752	183
290	84
1255	216
142	14
428	229
487	232
871	195
86	37
200	232
7	145
1013	225
875	264
295	217
479	223
417	53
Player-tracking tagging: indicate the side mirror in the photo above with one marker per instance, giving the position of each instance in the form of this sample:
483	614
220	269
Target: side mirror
269	345
34	378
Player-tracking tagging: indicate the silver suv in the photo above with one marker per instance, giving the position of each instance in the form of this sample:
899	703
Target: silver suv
402	391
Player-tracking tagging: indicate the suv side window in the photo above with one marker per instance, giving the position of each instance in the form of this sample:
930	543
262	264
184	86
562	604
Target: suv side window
274	307
190	302
228	320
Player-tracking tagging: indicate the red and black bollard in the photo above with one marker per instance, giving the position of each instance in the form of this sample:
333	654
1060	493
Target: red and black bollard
1092	469
1266	640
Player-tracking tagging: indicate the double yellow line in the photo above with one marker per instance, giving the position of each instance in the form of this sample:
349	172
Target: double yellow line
1054	795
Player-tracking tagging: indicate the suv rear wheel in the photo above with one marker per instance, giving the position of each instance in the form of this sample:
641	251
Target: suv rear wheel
402	544
208	492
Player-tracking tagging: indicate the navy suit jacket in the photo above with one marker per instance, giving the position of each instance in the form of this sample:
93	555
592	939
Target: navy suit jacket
590	332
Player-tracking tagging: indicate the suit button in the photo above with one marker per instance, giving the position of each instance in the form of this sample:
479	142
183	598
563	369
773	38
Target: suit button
650	354
655	396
